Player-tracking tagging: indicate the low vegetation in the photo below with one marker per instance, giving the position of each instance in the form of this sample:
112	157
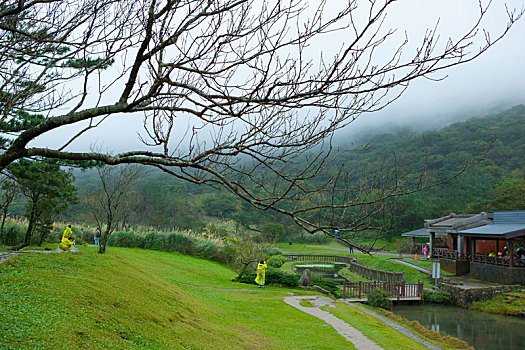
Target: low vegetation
505	304
445	342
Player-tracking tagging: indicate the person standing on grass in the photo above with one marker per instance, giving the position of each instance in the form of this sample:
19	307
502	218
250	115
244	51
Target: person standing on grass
425	251
96	234
261	273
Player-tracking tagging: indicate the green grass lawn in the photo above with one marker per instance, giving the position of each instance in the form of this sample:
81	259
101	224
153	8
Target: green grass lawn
426	264
376	261
310	250
136	299
383	262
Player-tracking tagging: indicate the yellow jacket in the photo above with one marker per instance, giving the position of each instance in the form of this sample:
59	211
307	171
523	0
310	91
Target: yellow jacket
261	272
65	245
67	234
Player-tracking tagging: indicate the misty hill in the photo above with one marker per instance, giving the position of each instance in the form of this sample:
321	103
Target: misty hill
166	202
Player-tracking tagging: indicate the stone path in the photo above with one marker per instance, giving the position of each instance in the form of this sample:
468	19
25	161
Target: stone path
396	327
4	256
350	333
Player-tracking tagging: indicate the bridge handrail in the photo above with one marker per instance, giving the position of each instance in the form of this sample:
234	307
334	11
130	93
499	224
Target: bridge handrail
395	290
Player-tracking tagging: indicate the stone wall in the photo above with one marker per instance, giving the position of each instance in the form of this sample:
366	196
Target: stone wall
498	274
464	297
457	268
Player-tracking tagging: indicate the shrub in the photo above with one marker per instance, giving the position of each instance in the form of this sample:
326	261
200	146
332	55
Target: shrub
274	251
172	242
309	238
273	277
277	261
379	298
437	297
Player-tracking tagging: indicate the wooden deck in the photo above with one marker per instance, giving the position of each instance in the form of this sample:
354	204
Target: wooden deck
364	300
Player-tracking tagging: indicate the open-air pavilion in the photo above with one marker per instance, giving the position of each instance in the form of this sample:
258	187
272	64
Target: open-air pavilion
487	251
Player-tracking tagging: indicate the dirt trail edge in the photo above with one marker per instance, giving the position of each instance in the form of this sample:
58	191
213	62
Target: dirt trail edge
351	334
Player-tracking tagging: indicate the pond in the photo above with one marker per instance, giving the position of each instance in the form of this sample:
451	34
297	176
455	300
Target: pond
325	271
480	330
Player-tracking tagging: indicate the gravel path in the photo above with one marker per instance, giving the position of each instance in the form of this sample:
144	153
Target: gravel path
397	327
4	256
351	334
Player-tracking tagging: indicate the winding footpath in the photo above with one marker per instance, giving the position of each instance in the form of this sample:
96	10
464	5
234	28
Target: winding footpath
353	335
350	333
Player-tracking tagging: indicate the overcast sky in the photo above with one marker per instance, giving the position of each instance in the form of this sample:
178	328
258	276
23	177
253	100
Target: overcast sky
495	79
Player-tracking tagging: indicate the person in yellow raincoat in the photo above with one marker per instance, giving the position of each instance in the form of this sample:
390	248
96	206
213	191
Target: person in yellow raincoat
261	272
66	244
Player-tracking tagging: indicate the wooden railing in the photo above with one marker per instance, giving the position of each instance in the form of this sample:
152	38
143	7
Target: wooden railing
320	258
365	271
479	258
494	260
444	253
395	290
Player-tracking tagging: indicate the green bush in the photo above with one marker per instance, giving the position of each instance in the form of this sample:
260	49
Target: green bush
171	242
379	298
277	261
274	251
14	233
273	277
437	297
309	238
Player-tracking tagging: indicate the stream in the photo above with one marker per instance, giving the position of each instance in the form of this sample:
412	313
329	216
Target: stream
480	330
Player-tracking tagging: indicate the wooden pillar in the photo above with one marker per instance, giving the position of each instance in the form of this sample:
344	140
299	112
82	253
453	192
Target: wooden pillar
510	246
472	248
432	240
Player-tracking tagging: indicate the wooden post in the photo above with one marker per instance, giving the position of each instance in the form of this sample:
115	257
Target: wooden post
511	252
359	289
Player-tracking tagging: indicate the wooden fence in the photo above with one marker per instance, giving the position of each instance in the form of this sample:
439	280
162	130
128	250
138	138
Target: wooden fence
320	258
365	271
395	290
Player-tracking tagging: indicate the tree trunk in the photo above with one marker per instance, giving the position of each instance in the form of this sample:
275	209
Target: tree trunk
42	235
104	239
243	270
2	226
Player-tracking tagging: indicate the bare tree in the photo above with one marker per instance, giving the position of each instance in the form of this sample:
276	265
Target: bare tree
108	204
241	74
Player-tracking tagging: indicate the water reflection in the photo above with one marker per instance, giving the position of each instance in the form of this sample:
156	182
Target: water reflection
478	329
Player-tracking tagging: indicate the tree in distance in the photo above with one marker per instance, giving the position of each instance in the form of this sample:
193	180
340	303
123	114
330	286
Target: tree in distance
260	103
48	190
110	203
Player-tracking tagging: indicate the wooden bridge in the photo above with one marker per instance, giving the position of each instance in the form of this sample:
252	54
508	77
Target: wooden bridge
358	291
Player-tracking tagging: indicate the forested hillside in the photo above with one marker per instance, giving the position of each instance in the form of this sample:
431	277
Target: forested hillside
163	201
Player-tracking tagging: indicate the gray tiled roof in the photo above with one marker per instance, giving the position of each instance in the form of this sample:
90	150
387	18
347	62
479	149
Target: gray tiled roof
495	229
422	232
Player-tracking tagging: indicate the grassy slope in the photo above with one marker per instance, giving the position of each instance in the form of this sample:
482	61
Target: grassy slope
130	298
